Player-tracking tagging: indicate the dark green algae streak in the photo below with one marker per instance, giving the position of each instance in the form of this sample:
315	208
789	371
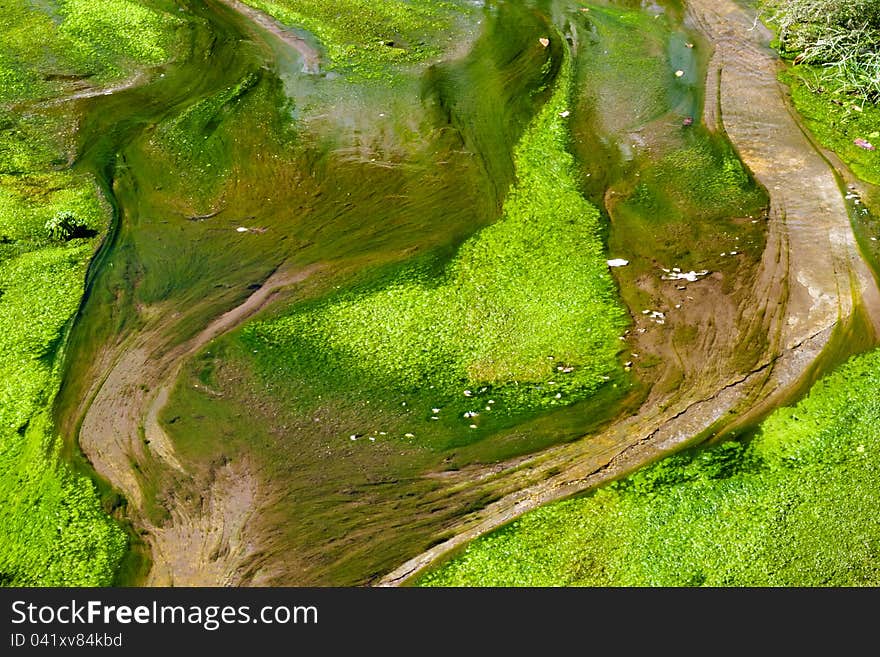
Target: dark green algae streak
384	193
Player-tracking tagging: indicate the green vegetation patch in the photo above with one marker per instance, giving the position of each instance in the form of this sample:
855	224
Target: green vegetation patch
366	39
523	317
111	32
837	37
197	140
838	119
47	46
796	506
53	530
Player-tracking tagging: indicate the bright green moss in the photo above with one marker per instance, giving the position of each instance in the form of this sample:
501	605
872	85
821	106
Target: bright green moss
46	46
837	120
52	529
525	313
366	39
113	33
794	507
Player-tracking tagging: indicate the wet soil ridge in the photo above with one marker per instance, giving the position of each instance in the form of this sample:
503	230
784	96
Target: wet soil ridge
810	284
195	521
204	539
310	56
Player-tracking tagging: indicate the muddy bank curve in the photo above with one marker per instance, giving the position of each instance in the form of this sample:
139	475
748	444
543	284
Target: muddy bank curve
204	538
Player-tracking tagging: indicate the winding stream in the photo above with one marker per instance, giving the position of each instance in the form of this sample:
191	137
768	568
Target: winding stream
196	253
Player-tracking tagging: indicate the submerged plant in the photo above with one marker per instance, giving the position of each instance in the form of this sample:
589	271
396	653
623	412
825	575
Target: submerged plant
65	226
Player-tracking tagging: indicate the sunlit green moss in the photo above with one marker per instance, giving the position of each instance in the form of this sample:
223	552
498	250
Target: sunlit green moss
53	530
45	46
114	33
837	120
525	312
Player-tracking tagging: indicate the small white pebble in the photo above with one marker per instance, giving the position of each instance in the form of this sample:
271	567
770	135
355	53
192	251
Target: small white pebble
409	435
241	229
473	426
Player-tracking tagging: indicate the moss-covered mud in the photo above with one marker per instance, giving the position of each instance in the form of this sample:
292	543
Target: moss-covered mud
793	506
257	194
807	299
